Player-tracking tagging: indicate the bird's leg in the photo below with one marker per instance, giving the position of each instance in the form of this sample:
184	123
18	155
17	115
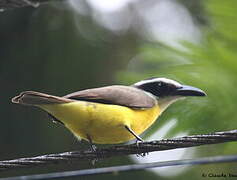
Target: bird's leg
138	140
134	134
92	146
93	149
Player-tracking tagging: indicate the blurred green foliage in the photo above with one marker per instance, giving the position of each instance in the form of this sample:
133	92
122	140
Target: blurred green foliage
211	65
48	54
42	50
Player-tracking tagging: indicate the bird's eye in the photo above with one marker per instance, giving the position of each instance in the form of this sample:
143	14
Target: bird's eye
159	84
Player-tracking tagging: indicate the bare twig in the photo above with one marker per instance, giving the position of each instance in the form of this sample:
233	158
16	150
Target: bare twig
132	167
12	4
121	150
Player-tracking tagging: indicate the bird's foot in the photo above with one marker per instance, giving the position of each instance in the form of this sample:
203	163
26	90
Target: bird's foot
138	141
93	149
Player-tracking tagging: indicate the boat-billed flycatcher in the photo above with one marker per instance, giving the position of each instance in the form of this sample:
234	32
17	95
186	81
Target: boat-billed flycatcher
111	114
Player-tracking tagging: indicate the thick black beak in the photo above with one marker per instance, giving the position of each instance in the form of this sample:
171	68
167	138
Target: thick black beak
185	90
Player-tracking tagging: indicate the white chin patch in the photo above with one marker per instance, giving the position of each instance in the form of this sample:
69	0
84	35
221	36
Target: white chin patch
166	101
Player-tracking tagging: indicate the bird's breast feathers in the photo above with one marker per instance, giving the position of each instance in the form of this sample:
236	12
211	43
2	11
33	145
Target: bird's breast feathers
104	123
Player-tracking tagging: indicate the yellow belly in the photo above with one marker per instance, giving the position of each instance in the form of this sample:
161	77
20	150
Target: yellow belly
103	123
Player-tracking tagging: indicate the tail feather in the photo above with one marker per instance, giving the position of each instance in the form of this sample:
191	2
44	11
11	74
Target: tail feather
37	98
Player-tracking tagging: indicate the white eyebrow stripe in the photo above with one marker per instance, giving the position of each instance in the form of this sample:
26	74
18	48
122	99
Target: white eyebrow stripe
169	81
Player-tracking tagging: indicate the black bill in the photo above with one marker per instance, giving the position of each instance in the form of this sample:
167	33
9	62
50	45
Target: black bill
185	90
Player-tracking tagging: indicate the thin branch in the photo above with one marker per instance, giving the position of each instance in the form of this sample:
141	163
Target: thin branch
121	150
132	167
12	4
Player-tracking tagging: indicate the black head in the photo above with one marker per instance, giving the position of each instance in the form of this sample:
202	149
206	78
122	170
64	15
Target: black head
163	87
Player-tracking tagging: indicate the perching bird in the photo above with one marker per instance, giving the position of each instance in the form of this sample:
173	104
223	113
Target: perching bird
111	114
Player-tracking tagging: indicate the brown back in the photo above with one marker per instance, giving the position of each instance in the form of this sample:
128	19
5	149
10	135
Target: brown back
119	95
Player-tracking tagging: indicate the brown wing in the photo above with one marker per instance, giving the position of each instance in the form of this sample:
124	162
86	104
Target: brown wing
37	98
118	95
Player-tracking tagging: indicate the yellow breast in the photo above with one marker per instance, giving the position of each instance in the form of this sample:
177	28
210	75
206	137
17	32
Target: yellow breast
102	122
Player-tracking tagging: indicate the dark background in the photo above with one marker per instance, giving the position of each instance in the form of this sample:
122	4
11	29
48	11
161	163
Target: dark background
62	47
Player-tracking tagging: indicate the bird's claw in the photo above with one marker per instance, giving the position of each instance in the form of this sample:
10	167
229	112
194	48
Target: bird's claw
138	146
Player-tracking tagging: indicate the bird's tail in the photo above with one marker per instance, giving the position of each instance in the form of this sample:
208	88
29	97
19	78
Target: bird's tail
36	98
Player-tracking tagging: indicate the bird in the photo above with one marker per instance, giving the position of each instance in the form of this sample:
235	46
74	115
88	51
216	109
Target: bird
111	114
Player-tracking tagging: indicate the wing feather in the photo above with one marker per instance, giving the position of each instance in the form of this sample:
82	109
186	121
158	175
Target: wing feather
119	95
